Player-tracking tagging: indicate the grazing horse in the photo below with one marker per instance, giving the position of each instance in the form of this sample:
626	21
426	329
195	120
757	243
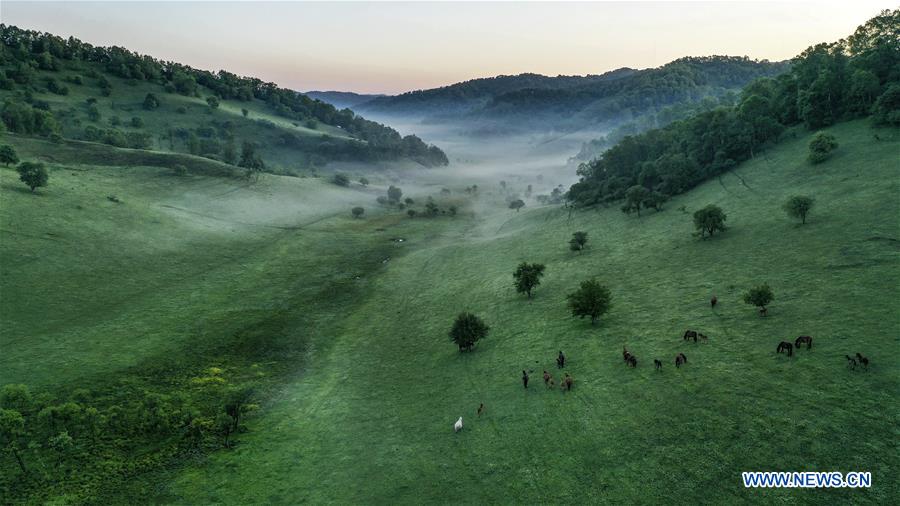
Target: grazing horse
690	334
701	336
763	311
547	378
851	362
803	339
862	360
458	425
524	379
567	383
680	359
785	346
632	361
481	409
560	360
657	363
713	301
626	355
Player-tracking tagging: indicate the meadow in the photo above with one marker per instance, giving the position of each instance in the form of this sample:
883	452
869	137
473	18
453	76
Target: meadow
193	280
370	421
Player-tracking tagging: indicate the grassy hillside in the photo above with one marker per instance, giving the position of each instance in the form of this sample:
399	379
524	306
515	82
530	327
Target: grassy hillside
101	94
370	419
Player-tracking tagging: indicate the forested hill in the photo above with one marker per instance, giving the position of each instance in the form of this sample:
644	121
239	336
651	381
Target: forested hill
827	83
68	89
473	94
540	103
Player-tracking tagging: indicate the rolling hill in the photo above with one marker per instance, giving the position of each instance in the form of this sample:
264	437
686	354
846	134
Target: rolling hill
50	86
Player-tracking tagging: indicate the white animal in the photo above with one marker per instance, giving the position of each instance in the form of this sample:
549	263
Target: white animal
458	425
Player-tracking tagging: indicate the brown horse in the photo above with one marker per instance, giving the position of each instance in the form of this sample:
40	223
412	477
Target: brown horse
803	339
632	361
657	363
547	378
713	301
690	334
851	362
567	382
862	360
680	359
702	336
763	311
785	346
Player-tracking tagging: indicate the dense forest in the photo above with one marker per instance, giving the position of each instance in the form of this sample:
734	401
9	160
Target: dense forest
34	65
569	103
827	83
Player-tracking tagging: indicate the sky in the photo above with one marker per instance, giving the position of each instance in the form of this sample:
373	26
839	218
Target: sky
386	47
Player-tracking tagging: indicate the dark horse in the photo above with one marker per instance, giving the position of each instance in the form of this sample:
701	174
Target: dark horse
657	363
625	354
862	360
524	379
690	334
713	301
680	359
560	360
785	346
803	339
632	360
851	362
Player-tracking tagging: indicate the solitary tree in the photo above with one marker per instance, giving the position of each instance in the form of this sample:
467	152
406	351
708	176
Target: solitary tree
709	220
821	146
798	206
151	102
213	102
340	180
363	181
245	112
8	155
467	330
394	194
517	204
249	159
33	174
591	299
411	213
528	277
760	297
578	241
357	212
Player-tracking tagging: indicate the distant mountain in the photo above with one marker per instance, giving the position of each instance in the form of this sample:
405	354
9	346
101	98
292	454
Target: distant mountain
532	102
470	95
341	99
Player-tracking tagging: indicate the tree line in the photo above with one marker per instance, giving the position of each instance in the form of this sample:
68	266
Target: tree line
855	77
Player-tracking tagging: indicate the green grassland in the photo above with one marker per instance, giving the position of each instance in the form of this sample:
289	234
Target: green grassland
346	330
371	420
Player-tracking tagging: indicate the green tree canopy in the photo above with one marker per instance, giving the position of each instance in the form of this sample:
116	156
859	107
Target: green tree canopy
798	206
578	241
759	296
528	277
33	174
591	299
709	220
467	330
821	146
8	155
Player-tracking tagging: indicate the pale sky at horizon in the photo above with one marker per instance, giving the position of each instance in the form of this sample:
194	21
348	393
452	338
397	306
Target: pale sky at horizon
381	47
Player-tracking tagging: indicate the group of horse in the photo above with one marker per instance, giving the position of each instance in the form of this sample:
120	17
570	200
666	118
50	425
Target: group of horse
631	360
565	383
859	360
785	346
